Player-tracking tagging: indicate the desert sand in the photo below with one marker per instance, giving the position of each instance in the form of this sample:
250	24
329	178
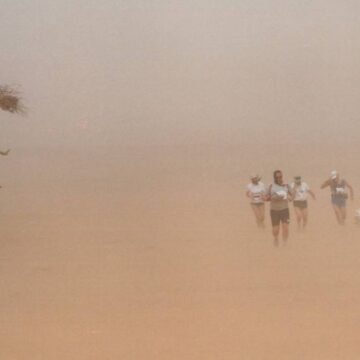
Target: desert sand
153	253
125	230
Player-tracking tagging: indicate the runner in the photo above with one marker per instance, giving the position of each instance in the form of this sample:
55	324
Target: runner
256	192
300	190
338	195
279	195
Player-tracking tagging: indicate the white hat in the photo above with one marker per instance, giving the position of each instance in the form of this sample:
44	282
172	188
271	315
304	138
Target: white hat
255	176
334	174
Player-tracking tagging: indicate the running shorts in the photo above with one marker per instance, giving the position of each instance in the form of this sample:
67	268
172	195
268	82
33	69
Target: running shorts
278	216
301	204
339	201
257	203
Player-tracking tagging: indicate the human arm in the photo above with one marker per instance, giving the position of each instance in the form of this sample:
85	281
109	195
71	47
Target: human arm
291	192
248	194
350	189
267	194
325	184
312	194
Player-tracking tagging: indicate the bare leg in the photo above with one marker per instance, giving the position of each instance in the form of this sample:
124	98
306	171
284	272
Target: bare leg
305	217
275	231
259	212
262	215
343	213
285	232
338	214
254	209
298	217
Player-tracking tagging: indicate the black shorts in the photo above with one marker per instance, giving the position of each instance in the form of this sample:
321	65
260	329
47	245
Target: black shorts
278	216
302	204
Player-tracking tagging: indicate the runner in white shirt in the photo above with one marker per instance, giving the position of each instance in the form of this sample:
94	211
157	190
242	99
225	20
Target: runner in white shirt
338	187
301	190
256	192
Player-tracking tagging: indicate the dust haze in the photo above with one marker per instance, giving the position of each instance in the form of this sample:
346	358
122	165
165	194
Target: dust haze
126	233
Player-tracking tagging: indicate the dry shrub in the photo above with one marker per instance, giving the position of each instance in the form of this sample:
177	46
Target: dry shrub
10	100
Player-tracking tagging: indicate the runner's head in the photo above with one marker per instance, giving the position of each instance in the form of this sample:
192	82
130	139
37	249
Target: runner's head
278	177
297	180
255	178
334	176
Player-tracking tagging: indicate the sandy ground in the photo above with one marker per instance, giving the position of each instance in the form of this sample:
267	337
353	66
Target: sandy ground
153	253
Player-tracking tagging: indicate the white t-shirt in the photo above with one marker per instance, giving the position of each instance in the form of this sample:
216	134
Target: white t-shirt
282	191
300	191
256	192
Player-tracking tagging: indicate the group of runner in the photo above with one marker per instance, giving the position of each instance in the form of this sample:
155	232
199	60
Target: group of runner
279	194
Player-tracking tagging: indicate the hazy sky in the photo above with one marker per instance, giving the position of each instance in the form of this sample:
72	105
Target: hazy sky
164	72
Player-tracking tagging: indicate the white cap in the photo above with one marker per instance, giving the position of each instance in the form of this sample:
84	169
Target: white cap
255	176
334	174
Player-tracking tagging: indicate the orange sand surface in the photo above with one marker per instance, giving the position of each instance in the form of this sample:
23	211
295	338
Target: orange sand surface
153	253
